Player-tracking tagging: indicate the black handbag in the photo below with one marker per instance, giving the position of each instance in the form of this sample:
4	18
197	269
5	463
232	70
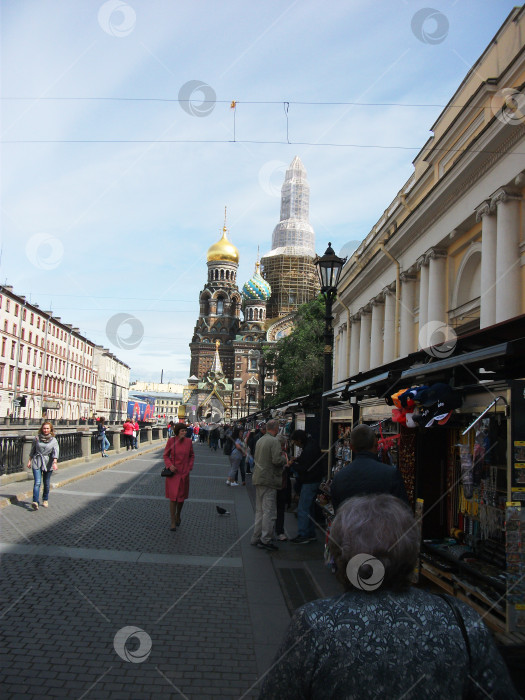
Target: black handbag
167	472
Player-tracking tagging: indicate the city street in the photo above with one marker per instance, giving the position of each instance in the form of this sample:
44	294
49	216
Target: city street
201	610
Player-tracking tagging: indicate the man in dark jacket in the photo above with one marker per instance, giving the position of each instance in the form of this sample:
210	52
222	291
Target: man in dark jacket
309	467
366	474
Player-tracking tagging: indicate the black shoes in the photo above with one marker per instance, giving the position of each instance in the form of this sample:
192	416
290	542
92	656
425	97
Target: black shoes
269	547
302	540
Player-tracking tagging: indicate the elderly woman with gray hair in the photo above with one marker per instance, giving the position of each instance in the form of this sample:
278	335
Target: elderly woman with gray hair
382	638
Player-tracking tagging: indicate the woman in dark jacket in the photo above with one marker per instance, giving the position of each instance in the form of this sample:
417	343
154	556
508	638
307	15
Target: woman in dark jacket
43	458
383	638
101	437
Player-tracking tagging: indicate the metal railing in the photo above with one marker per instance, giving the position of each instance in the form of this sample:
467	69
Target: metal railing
11	454
70	446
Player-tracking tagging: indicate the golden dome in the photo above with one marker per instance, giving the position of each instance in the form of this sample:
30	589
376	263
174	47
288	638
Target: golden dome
223	250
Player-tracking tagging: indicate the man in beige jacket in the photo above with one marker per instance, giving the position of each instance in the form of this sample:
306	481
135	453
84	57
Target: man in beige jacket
267	478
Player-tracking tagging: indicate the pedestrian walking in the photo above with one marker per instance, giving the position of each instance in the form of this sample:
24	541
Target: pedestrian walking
383	637
43	458
214	439
196	431
366	474
179	457
237	459
308	467
127	429
102	438
136	433
267	478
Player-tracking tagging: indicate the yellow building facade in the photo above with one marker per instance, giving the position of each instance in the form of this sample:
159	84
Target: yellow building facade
446	256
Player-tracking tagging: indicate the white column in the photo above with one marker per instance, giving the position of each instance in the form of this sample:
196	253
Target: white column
508	297
407	314
364	341
389	340
423	292
485	214
336	351
437	271
355	334
341	354
343	373
376	342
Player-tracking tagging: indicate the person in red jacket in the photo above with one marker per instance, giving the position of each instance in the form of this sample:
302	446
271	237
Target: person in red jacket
127	429
179	457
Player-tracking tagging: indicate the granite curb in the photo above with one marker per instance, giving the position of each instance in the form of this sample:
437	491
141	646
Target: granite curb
22	490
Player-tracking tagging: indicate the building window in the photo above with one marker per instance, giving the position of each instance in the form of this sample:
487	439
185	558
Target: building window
13	345
31	319
16	309
24	313
7	304
3	347
11	370
220	305
2	368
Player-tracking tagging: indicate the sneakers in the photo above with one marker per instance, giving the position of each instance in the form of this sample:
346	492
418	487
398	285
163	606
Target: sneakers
233	483
269	547
34	505
302	540
45	504
228	482
282	537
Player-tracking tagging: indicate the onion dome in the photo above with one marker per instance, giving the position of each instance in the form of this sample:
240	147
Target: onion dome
257	288
223	250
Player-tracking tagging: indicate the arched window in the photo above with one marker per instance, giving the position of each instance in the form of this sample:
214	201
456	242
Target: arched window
220	305
222	274
227	274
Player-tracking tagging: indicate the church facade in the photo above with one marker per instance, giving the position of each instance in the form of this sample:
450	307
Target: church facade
228	379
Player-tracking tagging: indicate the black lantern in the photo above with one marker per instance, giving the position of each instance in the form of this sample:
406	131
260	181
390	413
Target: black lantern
329	268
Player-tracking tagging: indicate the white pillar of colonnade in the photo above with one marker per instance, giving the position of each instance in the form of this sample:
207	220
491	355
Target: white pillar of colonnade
389	335
508	298
486	214
437	271
364	340
423	292
376	332
407	320
355	334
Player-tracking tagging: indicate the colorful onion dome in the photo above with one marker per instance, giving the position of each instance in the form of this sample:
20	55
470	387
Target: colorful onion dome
223	250
257	287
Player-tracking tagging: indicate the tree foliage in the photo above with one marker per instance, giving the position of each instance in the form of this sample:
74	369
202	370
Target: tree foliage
297	359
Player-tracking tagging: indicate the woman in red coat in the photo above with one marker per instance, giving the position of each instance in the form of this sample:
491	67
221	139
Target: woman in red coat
179	457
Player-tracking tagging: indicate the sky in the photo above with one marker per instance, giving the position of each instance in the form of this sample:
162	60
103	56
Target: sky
120	148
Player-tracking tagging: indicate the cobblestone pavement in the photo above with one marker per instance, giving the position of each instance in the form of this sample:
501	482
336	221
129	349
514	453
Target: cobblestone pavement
101	600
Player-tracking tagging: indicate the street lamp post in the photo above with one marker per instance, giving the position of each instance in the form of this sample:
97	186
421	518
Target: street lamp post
329	268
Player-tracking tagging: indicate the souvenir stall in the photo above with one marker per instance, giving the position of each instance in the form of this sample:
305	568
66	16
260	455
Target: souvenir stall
458	438
460	456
